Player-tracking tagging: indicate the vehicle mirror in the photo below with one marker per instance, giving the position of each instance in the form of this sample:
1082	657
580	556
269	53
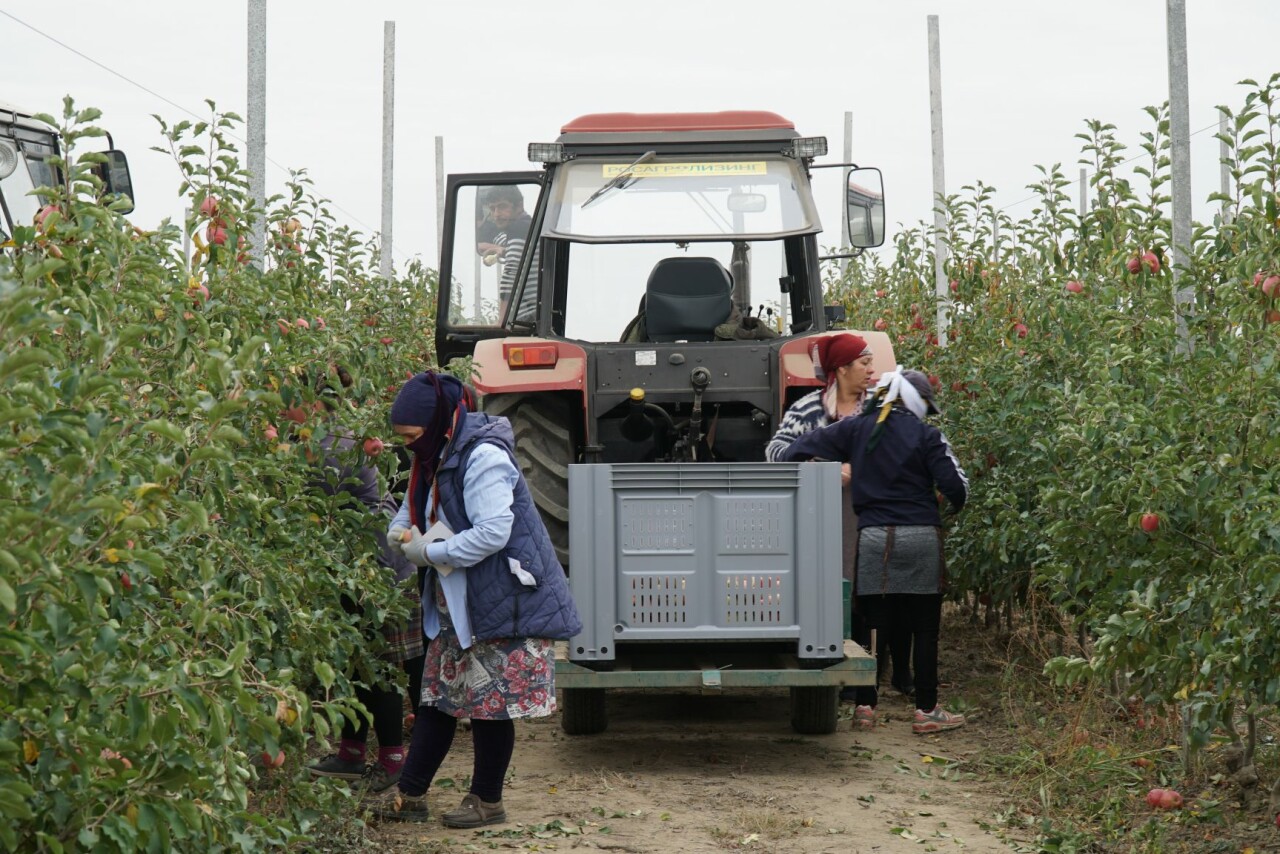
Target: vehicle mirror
865	199
117	179
747	202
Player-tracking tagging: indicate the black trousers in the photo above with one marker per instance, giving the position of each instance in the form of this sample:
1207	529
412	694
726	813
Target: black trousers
386	707
492	742
920	616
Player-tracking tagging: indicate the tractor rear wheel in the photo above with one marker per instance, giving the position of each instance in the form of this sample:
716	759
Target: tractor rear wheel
583	711
814	710
542	424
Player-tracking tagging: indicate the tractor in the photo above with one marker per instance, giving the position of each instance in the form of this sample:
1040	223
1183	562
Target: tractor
27	147
641	308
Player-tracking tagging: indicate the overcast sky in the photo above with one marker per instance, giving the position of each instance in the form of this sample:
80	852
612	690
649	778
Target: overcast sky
1019	79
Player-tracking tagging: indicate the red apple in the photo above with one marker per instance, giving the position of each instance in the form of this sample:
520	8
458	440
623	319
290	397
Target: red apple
283	325
1150	522
296	414
273	761
387	340
1270	285
291	225
1170	800
373	446
955	286
198	292
881	325
409	720
882	293
320	324
216	235
1273	316
271	433
302	323
43	214
1154	796
209	207
1150	262
126	582
1134	265
1075	287
1020	330
935	381
371	320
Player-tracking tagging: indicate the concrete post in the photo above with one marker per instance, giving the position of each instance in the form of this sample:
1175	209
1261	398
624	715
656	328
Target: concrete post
1180	159
385	269
440	179
844	196
256	121
939	180
1224	157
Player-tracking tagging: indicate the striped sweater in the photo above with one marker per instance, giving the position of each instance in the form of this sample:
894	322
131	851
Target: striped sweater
816	409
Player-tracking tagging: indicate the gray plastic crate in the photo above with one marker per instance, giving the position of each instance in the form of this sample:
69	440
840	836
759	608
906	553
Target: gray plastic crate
706	552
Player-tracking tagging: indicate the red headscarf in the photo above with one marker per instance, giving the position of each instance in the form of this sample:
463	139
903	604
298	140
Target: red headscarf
836	351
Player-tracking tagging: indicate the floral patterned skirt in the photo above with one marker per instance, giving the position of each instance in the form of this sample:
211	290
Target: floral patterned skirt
493	680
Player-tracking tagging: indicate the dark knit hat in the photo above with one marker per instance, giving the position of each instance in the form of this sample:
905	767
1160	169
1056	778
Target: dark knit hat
419	397
925	389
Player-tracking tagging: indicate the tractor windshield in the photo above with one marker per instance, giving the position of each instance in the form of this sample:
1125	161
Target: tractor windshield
680	198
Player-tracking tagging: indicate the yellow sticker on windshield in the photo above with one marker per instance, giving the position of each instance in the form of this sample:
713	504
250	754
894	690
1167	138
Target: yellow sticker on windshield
684	170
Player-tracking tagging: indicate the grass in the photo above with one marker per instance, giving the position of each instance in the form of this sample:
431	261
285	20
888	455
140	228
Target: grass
1078	763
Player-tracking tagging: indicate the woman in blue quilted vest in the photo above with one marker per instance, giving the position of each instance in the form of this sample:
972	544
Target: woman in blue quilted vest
494	596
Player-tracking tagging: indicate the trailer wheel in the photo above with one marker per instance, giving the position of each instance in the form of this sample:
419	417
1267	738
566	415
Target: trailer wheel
544	450
583	711
814	710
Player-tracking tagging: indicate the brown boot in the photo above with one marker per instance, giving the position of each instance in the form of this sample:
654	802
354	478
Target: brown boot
474	812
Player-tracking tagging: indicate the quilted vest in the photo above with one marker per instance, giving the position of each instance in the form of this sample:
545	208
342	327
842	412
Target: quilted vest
500	605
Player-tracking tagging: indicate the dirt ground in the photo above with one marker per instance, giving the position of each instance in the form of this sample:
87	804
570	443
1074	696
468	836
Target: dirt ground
712	773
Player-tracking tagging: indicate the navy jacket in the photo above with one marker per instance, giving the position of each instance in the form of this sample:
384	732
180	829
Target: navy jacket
500	605
894	484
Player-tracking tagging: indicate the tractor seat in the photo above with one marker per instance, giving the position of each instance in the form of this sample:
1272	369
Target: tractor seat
686	299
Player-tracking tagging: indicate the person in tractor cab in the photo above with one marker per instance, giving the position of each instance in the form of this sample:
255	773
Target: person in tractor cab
501	238
899	463
844	363
494	595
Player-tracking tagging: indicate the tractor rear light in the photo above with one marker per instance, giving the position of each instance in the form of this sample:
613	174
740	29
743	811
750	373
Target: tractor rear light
530	355
546	152
808	146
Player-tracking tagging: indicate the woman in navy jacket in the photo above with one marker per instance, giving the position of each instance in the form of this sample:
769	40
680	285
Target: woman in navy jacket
494	595
899	464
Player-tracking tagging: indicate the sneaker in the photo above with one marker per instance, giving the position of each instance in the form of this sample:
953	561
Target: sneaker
377	780
864	717
474	812
937	720
397	806
334	766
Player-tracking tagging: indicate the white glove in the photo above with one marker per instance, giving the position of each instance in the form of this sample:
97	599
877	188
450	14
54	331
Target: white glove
395	538
416	549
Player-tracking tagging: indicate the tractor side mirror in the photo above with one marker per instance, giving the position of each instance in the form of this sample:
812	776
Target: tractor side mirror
115	174
865	199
